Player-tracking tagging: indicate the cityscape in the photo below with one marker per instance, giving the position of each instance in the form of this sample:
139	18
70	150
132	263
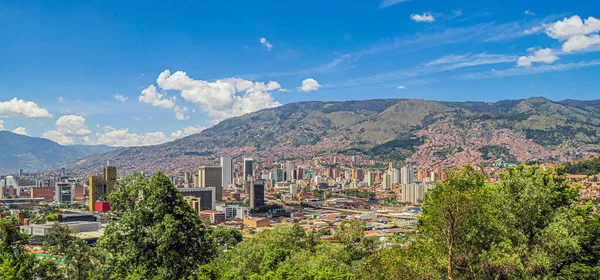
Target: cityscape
301	140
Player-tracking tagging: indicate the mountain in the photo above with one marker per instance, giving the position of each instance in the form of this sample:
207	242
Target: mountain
427	133
37	154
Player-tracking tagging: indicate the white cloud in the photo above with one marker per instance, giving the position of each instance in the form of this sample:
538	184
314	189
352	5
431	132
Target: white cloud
122	137
72	125
223	98
187	131
309	84
150	95
388	3
540	55
180	113
1	124
401	87
21	130
70	129
529	13
520	71
577	34
446	63
58	137
265	43
21	108
61	99
120	97
425	17
580	42
532	30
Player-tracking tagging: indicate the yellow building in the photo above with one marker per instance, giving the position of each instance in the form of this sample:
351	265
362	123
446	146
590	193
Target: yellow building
193	202
101	186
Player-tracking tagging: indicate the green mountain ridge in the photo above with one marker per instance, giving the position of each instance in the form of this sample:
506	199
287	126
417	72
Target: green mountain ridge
382	128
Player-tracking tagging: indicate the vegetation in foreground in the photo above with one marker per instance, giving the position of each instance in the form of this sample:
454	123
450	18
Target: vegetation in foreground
529	226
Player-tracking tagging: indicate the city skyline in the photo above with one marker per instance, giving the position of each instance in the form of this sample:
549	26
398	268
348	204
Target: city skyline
119	79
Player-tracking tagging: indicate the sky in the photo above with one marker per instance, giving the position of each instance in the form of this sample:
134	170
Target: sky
128	73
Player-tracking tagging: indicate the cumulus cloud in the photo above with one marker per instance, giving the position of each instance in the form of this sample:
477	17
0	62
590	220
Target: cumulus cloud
61	99
187	131
581	42
539	55
58	137
21	130
1	124
425	17
223	98
72	125
180	113
123	138
151	96
309	84
401	87
577	34
70	129
529	13
265	43
21	108
120	97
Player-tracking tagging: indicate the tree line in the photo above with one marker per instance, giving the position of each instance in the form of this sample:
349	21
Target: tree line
531	225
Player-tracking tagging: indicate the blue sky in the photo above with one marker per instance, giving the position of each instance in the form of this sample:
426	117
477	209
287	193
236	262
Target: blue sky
144	72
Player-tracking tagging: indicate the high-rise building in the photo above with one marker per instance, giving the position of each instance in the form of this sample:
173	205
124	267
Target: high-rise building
386	182
101	186
414	193
226	170
64	192
257	194
370	179
248	168
211	176
408	175
395	176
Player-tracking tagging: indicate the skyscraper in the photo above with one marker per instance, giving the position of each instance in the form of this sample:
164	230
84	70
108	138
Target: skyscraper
257	194
386	182
247	168
395	173
370	179
210	176
226	171
408	175
101	186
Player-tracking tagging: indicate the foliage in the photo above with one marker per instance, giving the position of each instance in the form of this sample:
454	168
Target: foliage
158	236
359	194
526	227
52	217
60	241
282	253
16	262
587	167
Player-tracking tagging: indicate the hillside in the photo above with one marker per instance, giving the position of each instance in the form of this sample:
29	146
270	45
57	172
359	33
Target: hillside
419	131
37	154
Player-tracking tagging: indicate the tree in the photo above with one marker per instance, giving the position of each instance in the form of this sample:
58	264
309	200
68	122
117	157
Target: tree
158	236
75	251
449	212
16	262
224	239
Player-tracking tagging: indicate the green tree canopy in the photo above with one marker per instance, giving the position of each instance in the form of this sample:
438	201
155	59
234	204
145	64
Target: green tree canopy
158	236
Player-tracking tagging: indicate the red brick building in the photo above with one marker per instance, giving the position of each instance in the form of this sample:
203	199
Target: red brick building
46	193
